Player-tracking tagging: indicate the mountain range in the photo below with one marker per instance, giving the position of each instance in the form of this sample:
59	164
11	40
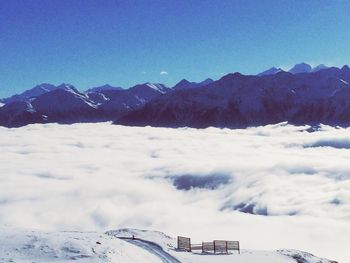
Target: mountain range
303	95
296	69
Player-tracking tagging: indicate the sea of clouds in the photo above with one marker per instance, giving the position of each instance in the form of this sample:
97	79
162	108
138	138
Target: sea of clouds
278	186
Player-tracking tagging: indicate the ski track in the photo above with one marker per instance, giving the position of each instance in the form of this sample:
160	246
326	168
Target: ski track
153	248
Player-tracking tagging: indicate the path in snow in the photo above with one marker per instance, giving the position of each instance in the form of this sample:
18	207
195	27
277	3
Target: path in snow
154	249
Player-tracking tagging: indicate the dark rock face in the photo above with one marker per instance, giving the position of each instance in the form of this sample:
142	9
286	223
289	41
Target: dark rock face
185	84
19	113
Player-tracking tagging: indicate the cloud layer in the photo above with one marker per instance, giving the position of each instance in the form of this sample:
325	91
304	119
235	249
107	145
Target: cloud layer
270	187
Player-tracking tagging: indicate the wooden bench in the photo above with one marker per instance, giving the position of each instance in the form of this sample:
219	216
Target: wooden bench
207	247
224	246
196	247
184	243
233	245
216	246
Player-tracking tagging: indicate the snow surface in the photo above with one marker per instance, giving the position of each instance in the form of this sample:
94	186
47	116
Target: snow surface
25	246
270	187
168	244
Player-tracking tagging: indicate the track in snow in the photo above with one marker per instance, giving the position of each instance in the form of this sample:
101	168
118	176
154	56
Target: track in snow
154	249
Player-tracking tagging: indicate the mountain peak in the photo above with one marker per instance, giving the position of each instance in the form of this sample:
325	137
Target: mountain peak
206	81
31	93
298	68
183	81
319	67
157	86
103	88
150	87
65	86
301	68
68	87
270	71
185	84
45	86
345	68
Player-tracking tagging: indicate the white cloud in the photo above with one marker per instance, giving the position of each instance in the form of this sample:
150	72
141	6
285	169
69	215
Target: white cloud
54	177
163	73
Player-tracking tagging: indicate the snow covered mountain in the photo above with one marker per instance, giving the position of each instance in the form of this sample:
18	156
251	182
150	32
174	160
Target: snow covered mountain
65	104
321	95
31	93
149	90
240	101
150	246
115	103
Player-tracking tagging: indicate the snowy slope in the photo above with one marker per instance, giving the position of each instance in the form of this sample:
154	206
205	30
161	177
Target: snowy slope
149	90
25	246
168	244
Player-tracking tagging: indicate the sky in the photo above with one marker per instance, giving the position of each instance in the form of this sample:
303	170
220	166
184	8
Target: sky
89	43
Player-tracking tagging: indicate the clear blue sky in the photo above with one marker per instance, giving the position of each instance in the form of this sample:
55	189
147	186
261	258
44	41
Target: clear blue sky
93	42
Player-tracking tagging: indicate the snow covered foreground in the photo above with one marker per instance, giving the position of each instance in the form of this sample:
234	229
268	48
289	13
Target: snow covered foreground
24	246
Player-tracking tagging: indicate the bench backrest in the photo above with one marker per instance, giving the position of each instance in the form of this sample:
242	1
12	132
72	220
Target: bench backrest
220	246
183	243
207	246
232	245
